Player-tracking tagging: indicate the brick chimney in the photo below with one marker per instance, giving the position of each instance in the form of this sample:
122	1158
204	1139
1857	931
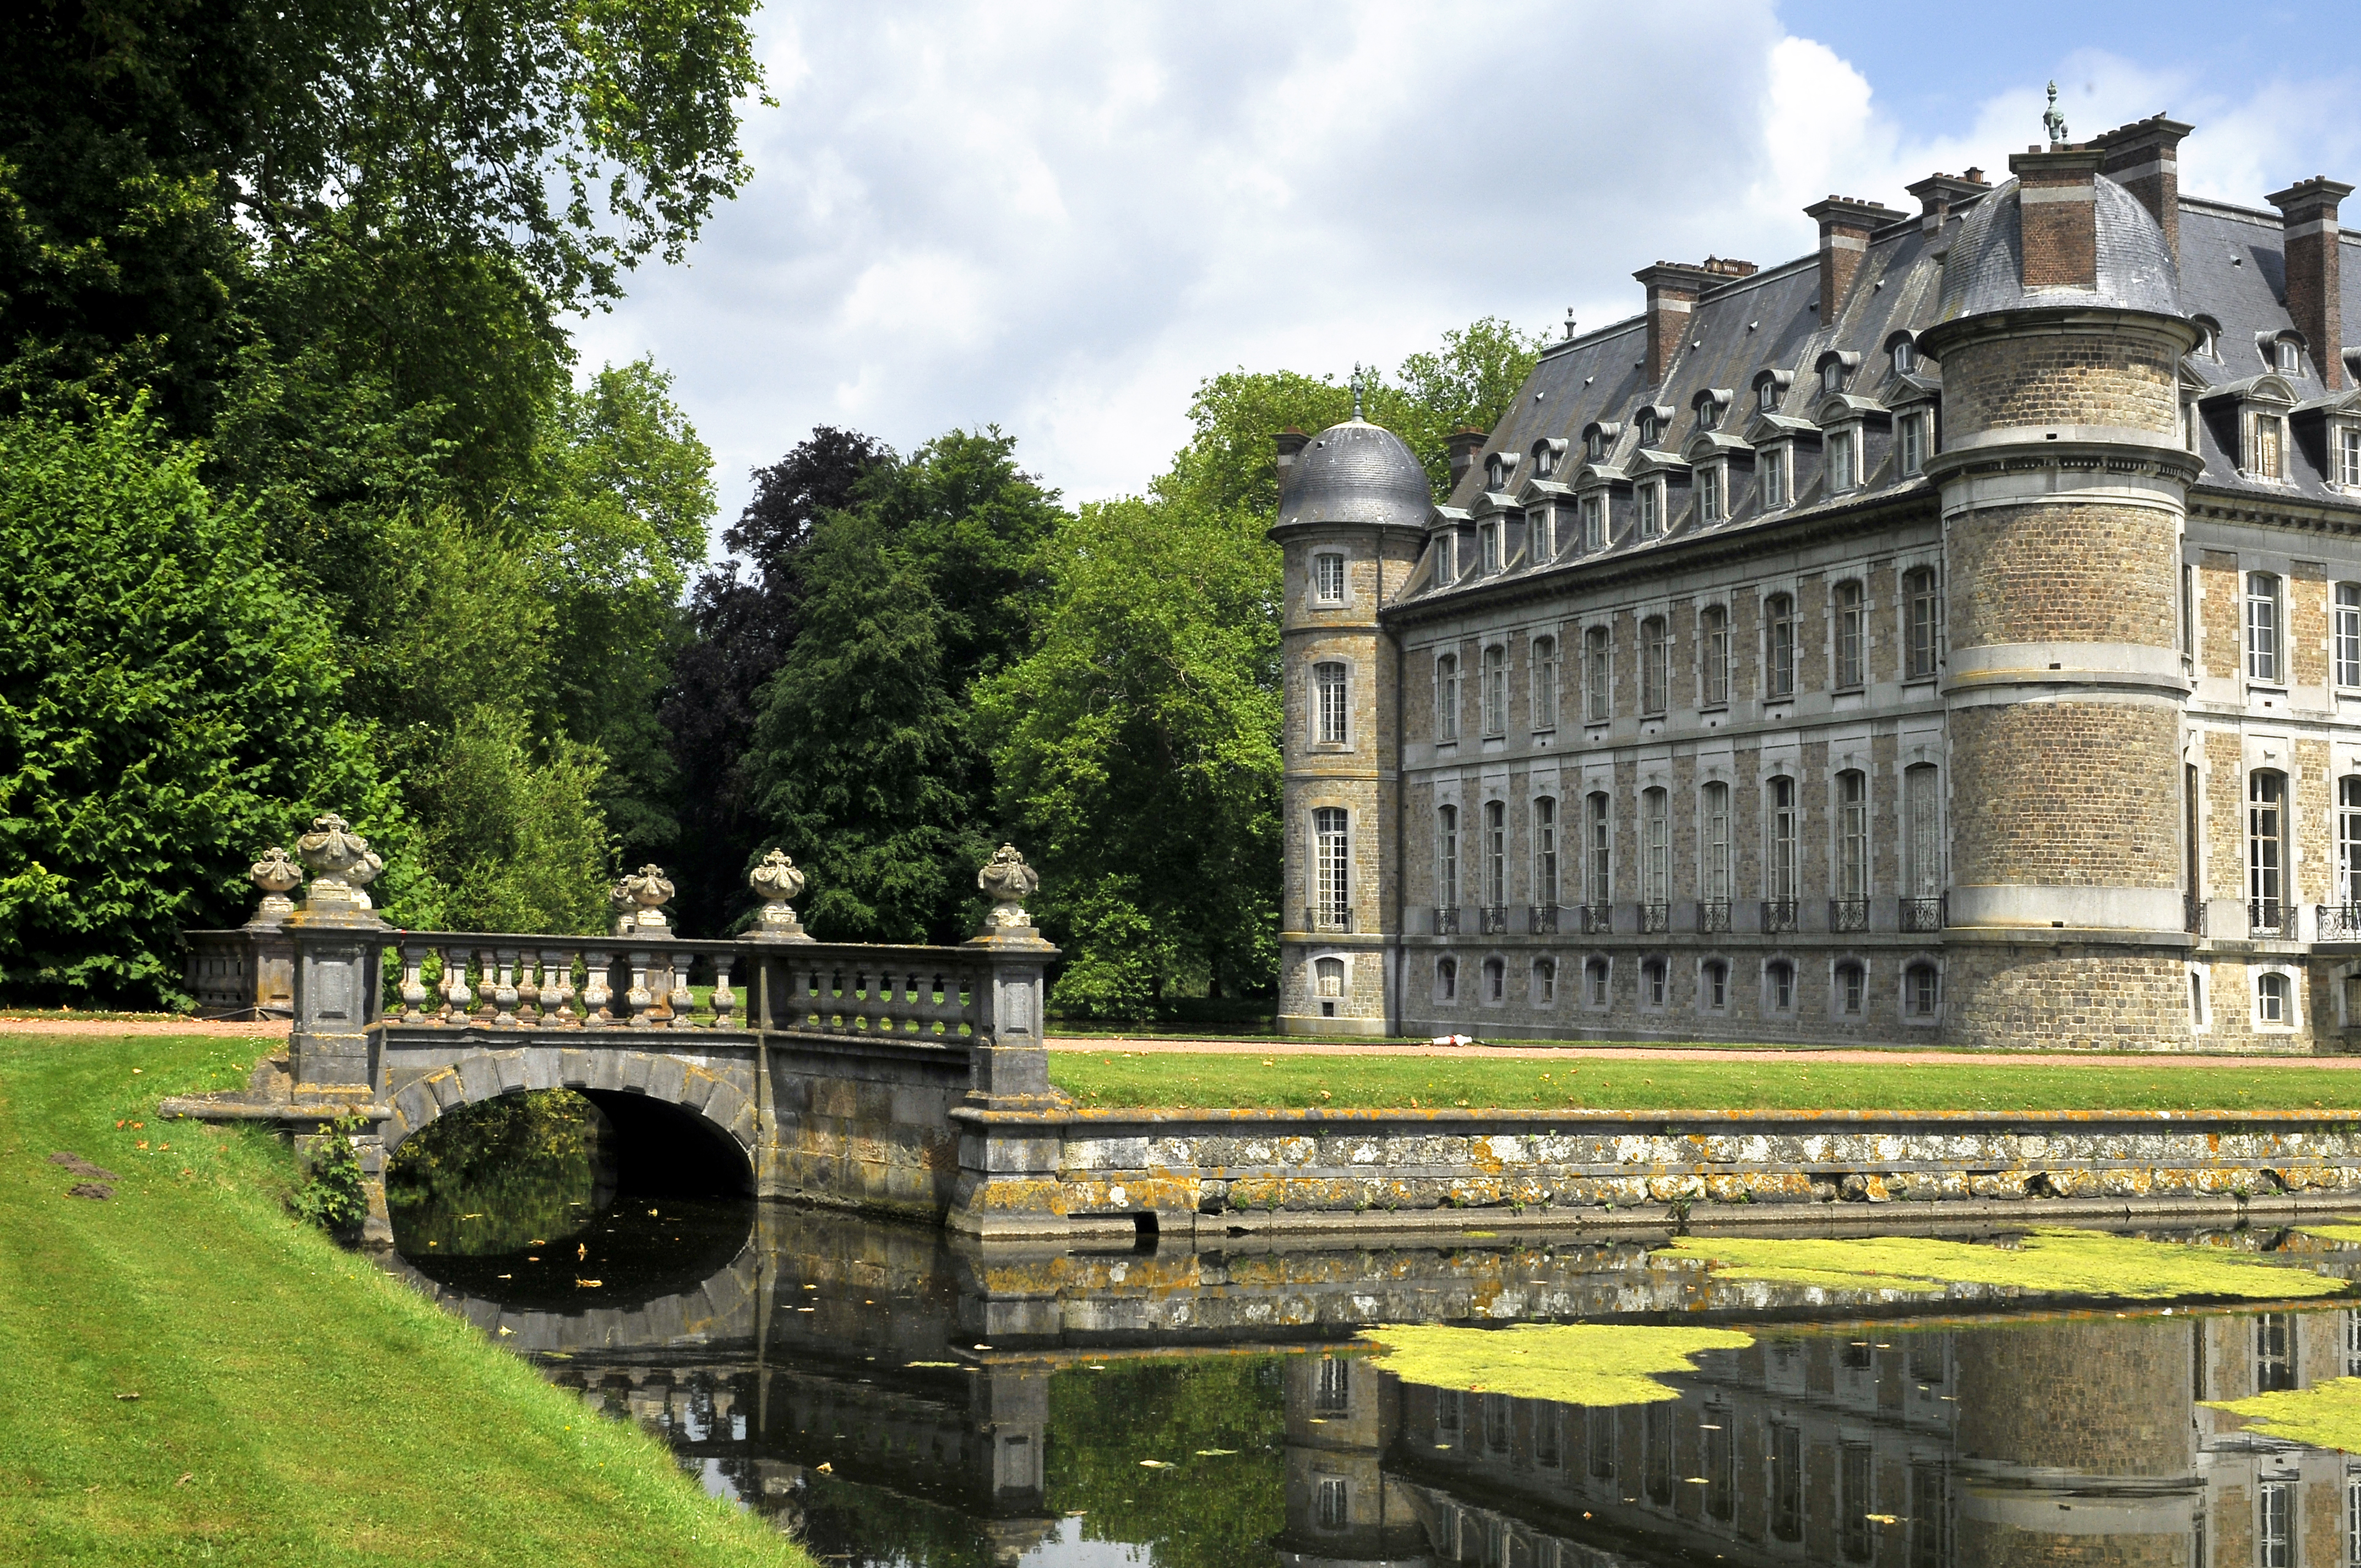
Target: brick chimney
1937	193
1289	445
1672	287
2060	214
1463	443
2308	216
1846	223
2144	157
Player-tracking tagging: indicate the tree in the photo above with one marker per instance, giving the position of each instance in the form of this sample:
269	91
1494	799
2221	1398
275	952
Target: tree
1137	750
167	709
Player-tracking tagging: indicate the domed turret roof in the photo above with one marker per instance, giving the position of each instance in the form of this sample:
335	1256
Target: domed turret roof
1984	271
1357	472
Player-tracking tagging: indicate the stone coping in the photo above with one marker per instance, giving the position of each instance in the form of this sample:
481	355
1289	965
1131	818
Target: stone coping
1124	1117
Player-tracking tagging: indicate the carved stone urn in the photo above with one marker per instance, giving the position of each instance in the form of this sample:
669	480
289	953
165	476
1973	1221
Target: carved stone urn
342	864
639	899
1008	882
277	876
777	882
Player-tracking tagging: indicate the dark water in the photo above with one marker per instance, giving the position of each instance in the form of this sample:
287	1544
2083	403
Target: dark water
894	1399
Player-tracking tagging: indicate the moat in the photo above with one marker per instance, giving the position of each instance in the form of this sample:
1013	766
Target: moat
893	1396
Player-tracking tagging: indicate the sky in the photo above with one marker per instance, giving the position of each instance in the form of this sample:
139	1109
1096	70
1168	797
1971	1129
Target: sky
1060	218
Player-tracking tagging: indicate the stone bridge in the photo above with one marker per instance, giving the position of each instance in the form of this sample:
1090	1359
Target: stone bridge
771	1064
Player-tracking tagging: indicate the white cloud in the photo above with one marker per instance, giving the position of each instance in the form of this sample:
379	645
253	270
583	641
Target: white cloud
1059	218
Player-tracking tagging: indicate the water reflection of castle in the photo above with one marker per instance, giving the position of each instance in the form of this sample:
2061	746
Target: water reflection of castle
2059	1441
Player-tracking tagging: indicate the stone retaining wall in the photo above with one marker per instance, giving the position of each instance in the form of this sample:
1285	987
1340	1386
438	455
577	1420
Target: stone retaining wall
1024	1175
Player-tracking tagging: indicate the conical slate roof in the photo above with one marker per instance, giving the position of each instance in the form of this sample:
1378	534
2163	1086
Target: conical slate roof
1357	472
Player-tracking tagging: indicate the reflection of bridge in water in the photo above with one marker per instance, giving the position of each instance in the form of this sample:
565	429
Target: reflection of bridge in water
919	1372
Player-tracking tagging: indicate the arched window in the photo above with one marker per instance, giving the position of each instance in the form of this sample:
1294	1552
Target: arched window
1905	356
1780	879
1545	851
2348	847
1713	656
1598	886
1656	850
2273	998
1852	989
2267	856
1779	986
1597	666
1922	991
1922	832
1714	985
1333	855
1648	431
1447	697
1446	856
1328	978
1330	680
1853	834
1544	683
1496	472
1496	690
1652	982
1655	664
1851	618
1594	982
1495	980
1544	460
1545	981
1713	870
1923	621
1496	854
1779	646
2263	622
1446	979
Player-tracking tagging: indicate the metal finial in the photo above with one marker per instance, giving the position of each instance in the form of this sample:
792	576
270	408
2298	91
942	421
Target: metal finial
1569	324
2053	122
1356	388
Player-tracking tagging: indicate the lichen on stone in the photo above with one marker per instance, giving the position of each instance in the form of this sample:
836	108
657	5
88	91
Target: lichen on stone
2046	1262
1580	1364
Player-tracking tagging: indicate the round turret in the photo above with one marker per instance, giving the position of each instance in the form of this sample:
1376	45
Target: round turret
1357	472
1984	270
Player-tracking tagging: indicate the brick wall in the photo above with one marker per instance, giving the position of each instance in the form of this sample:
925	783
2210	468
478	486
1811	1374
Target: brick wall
2077	378
2066	995
2072	794
2060	572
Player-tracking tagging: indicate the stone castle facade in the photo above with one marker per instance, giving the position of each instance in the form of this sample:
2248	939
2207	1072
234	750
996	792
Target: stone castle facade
1952	636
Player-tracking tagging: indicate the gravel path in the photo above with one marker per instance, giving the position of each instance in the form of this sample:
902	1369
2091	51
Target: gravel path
1794	1054
183	1027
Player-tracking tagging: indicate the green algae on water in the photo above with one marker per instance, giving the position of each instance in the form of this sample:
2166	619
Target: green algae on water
2334	1231
2326	1415
2049	1262
1579	1363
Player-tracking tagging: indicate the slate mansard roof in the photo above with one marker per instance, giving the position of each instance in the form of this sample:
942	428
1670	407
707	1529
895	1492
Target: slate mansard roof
2230	276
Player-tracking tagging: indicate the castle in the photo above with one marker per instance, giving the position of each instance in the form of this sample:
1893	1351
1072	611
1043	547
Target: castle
1952	636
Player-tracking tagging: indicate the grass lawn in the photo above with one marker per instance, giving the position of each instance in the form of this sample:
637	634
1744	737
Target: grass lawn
1177	1078
294	1404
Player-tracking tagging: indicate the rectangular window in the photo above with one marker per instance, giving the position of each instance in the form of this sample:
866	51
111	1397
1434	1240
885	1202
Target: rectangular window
1335	1393
1598	703
1856	1500
1594	522
1333	855
1328	578
1491	535
1545	851
1853	834
1852	616
1335	1503
2265	849
1779	646
2270	438
1786	1482
2348	635
1840	462
1599	891
1783	840
1496	854
1496	690
1715	871
1655	664
1773	465
1651	498
1713	656
1447	697
1330	680
2263	619
1446	856
1922	833
1708	483
1910	442
2274	1525
2348	852
1655	818
1923	614
1542	522
1930	1517
1544	683
2348	458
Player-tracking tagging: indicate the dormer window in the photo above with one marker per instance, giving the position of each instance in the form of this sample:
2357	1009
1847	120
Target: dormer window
2286	357
1594	443
1905	356
1708	413
1594	522
1836	368
1910	440
1650	497
1496	472
1844	461
1766	397
1647	429
1771	464
2268	459
1491	535
2348	458
1832	377
2209	337
1712	506
1544	460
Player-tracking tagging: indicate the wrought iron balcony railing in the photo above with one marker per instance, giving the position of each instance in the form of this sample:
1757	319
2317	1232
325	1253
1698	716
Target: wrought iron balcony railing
1597	920
1446	920
1330	918
2337	923
1713	914
1541	920
2269	918
1495	918
1848	915
1781	914
1655	918
1926	914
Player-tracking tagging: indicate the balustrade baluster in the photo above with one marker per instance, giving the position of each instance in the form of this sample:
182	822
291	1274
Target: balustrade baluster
413	988
504	991
528	1009
456	997
725	1001
557	988
596	995
639	999
681	999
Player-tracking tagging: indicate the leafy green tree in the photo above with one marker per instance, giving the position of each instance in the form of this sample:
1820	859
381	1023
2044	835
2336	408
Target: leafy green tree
1137	748
1468	381
513	837
167	708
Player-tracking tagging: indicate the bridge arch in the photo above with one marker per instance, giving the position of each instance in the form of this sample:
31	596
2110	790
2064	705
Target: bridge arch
642	1093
